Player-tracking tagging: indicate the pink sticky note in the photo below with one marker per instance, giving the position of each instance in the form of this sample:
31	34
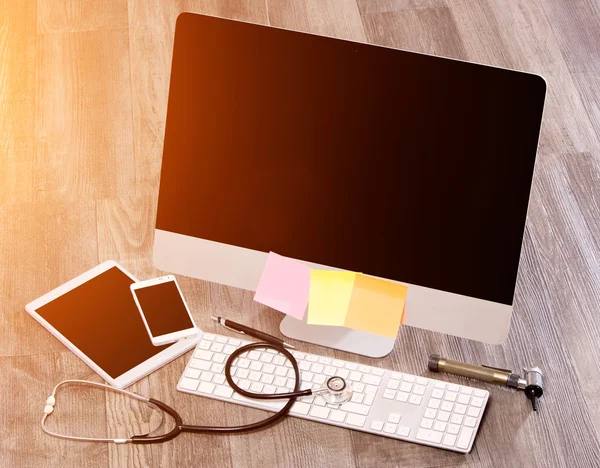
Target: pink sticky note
284	285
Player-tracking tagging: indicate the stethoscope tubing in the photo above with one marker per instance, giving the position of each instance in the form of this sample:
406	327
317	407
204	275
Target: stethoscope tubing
179	427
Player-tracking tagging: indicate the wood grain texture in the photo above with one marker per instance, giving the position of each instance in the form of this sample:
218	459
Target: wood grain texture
83	97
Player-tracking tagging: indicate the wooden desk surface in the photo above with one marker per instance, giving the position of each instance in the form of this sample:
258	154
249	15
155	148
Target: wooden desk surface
83	90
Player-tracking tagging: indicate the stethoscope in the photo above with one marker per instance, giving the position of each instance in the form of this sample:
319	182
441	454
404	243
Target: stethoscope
335	392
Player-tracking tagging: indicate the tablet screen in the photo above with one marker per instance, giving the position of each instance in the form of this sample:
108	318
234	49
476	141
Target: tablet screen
101	319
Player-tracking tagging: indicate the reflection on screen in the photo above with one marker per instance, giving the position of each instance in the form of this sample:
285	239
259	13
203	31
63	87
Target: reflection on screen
163	308
101	319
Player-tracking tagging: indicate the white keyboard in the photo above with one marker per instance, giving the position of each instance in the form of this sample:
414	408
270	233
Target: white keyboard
387	403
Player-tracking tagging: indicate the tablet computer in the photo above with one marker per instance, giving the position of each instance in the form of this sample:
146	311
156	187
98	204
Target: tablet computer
95	316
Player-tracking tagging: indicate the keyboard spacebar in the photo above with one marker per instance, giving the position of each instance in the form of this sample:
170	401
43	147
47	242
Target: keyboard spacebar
275	405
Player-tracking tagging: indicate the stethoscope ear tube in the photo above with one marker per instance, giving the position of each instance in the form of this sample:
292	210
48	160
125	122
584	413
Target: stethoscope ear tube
147	439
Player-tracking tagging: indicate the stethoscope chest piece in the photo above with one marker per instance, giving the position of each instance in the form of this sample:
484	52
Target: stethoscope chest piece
336	391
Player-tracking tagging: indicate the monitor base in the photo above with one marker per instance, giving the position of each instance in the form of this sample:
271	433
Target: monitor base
342	338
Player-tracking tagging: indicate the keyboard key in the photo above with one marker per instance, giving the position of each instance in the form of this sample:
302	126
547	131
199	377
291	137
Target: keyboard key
473	412
206	387
329	371
369	399
269	389
256	387
192	373
204	355
189	384
377	371
256	365
304	365
223	391
419	390
298	355
460	409
319	379
358	387
439	426
204	345
453	388
351	366
447	406
479	393
396	376
371	379
365	369
406	387
440	385
311	358
280	381
220	358
324	360
216	347
279	360
453	429
429	436
390	428
476	401
208	336
281	371
267	378
355	420
300	408
430	413
268	368
393	384
307	376
320	401
266	357
221	339
290	384
409	378
377	425
389	394
463	399
357	397
427	423
437	393
243	363
464	438
402	396
450	396
317	368
234	342
291	374
370	389
254	376
355	376
206	376
337	416
443	416
422	381
343	373
466	390
433	403
456	419
319	412
470	422
355	408
403	431
394	418
338	363
217	368
449	440
415	399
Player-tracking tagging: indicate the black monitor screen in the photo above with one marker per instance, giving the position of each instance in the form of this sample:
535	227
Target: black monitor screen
395	164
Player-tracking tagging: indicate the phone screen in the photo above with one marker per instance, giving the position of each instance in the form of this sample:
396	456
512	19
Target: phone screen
163	308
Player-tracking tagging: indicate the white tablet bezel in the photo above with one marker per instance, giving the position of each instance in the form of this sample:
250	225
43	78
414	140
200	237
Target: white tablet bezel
168	337
132	375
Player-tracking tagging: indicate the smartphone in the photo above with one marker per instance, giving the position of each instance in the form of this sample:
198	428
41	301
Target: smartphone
164	311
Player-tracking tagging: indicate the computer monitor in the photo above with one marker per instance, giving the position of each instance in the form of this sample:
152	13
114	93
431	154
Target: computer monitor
345	155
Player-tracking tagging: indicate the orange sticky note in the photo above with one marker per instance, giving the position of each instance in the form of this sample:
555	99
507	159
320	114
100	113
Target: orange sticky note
376	306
